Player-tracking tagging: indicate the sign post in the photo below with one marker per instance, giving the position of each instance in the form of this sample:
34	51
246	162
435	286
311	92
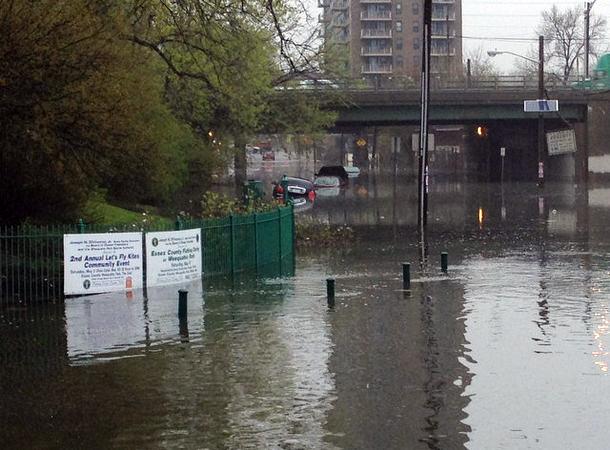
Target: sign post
502	154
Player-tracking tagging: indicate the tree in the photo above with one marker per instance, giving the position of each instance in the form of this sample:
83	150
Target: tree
80	110
134	97
564	35
231	55
481	65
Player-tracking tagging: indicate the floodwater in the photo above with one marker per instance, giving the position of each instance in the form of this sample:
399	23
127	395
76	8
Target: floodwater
509	349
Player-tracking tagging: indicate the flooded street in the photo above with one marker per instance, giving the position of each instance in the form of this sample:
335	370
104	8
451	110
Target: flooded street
509	349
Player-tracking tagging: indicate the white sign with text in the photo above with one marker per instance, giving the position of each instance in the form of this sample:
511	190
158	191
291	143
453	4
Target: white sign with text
561	142
102	262
173	257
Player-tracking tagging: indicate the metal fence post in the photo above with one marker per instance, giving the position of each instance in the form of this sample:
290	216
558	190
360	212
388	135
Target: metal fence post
294	240
279	224
256	242
178	224
232	228
81	226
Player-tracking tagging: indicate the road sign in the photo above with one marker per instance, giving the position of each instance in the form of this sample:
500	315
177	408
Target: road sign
561	142
540	106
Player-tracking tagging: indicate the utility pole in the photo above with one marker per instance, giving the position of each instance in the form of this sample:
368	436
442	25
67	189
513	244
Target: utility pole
448	50
588	6
540	116
422	207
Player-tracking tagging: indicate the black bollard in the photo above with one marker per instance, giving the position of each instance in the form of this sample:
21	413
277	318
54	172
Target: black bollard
182	303
330	292
444	261
406	276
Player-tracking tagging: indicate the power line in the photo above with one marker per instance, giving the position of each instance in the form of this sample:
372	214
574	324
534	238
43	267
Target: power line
511	39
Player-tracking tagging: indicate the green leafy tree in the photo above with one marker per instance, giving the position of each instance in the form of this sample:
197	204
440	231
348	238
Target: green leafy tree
80	108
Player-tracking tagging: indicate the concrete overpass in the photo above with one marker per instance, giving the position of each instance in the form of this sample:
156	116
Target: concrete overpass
502	109
401	107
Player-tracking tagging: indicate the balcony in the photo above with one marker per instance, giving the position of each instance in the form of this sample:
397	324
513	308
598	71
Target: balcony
339	21
373	51
339	5
377	68
443	17
438	35
377	15
372	33
441	52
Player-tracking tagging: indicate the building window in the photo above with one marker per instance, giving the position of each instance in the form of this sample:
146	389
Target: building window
399	44
399	61
398	9
399	25
416	43
415	8
415	27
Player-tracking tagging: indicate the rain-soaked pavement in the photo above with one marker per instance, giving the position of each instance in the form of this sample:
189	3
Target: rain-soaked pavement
509	349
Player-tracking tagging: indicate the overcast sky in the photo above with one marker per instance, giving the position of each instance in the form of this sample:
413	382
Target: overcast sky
498	24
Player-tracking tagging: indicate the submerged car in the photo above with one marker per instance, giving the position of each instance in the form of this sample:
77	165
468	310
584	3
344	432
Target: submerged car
333	171
295	187
269	155
352	171
327	182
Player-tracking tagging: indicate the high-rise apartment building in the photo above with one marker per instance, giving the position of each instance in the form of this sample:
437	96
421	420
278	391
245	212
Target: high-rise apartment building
383	38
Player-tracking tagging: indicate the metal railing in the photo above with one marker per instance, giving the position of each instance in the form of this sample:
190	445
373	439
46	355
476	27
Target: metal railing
375	33
377	68
376	51
32	259
339	5
377	15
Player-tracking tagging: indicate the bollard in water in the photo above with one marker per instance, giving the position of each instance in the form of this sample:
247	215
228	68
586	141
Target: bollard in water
330	292
182	303
406	276
444	261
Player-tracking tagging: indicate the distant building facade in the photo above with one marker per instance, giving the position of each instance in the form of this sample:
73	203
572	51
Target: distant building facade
383	38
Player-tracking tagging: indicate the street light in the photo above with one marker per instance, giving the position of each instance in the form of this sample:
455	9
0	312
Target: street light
540	63
493	53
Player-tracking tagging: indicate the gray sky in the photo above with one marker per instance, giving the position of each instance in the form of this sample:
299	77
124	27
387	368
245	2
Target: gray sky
500	24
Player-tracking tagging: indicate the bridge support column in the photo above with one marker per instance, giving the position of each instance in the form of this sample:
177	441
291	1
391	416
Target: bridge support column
581	158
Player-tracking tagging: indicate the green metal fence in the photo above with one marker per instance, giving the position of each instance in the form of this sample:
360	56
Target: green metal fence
31	257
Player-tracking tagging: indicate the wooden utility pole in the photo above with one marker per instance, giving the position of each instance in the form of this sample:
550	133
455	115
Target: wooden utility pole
588	6
448	76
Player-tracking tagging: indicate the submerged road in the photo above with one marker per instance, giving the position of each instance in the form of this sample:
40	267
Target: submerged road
507	350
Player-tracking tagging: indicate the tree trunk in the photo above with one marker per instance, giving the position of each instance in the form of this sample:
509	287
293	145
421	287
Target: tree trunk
240	163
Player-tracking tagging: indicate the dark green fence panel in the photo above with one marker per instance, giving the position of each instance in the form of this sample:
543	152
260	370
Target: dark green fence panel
268	238
244	243
216	239
31	258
